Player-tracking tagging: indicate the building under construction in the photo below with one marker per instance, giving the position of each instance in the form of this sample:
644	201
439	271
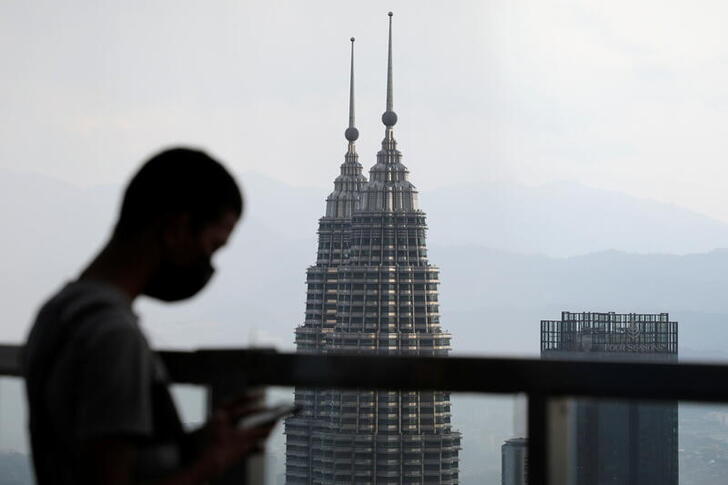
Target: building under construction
619	442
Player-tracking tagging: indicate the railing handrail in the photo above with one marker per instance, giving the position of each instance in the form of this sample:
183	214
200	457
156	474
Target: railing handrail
628	380
226	372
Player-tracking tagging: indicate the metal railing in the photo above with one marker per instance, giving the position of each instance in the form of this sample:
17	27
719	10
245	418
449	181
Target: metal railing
544	382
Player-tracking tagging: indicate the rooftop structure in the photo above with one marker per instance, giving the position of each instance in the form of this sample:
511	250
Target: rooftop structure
610	335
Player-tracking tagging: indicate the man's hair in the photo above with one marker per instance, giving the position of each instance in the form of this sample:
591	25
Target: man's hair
178	181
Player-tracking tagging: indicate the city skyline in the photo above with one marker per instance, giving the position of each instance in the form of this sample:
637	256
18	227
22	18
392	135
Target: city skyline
555	142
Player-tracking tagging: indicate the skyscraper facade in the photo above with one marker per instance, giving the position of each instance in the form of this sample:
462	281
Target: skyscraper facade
373	290
619	442
303	432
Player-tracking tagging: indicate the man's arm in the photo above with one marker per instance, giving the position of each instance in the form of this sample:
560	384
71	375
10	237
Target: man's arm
112	461
115	411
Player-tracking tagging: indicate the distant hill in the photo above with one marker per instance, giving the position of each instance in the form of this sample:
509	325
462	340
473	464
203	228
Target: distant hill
566	219
558	219
493	301
494	291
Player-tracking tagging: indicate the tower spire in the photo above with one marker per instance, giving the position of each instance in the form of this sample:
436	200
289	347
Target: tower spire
389	118
347	186
351	133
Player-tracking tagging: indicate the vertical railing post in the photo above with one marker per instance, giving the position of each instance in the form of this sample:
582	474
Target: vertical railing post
249	471
560	447
537	440
551	454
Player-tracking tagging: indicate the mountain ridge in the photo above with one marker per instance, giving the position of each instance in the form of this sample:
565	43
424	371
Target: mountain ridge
55	229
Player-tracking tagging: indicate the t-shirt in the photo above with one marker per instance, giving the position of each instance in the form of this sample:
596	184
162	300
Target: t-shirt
90	373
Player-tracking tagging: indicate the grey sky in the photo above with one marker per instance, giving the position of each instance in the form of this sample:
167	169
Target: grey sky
629	96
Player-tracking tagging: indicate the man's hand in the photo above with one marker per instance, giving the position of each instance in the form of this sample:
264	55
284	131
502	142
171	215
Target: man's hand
226	444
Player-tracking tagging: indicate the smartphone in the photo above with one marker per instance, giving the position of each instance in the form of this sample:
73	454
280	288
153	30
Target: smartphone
268	416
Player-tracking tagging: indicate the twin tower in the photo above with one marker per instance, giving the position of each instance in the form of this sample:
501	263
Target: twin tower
372	290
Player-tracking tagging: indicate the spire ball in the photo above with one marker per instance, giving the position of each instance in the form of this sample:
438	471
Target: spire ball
353	39
351	134
390	14
389	118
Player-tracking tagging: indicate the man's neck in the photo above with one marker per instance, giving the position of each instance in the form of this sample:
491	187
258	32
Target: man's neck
123	264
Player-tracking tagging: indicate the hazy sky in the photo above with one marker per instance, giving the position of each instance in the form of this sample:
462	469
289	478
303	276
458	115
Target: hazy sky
625	95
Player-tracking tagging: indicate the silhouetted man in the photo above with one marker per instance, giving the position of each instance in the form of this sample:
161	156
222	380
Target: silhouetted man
100	408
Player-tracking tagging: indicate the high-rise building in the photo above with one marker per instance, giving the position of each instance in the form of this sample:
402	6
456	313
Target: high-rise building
514	462
334	239
619	442
373	291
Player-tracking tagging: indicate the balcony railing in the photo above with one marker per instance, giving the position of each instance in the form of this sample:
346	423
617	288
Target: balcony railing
546	384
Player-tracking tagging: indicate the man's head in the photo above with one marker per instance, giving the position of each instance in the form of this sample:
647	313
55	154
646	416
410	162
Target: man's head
184	205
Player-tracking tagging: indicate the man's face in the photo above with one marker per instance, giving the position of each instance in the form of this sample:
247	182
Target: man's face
215	235
185	263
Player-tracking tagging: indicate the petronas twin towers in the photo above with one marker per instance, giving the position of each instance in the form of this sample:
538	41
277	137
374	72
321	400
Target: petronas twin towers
372	290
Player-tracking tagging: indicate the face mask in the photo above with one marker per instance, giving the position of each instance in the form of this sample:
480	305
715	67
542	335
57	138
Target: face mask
175	282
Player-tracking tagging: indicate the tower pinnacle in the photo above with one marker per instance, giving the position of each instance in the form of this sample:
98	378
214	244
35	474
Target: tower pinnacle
347	186
389	118
351	133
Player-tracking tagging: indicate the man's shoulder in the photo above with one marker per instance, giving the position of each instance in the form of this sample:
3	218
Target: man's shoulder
84	312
